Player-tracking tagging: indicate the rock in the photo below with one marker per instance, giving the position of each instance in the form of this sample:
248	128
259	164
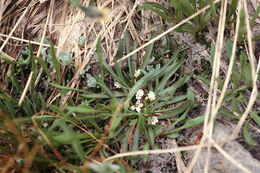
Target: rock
159	163
218	163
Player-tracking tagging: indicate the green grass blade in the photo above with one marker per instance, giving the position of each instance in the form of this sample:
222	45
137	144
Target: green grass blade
247	135
159	10
100	58
55	63
45	68
172	69
169	113
255	16
64	88
232	9
191	123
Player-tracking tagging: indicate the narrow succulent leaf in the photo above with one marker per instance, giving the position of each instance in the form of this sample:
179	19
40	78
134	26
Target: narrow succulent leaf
255	16
56	63
247	135
168	113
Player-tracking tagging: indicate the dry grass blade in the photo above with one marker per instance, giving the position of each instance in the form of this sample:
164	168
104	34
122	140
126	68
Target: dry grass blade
30	157
253	72
215	74
15	26
24	40
136	153
213	87
38	54
229	72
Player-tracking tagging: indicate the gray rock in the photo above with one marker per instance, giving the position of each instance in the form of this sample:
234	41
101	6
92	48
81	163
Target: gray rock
218	163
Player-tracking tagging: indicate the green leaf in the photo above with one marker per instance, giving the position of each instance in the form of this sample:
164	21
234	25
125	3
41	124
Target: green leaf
115	125
56	63
106	167
146	147
34	69
118	65
213	10
151	136
63	138
232	9
106	89
45	68
243	61
247	135
169	100
220	83
122	82
171	90
186	8
172	69
248	76
65	57
159	10
73	137
229	114
136	140
212	54
66	88
242	28
91	81
181	118
234	105
229	46
100	58
6	59
127	46
168	113
188	28
252	22
173	135
255	117
82	109
191	123
14	80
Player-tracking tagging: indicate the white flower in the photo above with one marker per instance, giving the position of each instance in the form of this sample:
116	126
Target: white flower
139	94
45	125
117	85
137	73
151	96
132	107
138	109
138	105
154	120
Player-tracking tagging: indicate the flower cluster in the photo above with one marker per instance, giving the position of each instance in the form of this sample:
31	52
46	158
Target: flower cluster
139	94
